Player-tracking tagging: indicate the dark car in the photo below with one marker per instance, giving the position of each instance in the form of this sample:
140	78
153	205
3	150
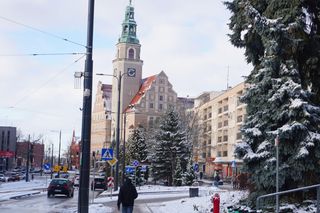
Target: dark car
14	177
99	183
61	186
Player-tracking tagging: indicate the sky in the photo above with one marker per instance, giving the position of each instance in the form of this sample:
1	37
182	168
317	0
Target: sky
187	39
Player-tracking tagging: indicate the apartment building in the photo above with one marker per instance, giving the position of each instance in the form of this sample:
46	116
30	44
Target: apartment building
8	140
221	115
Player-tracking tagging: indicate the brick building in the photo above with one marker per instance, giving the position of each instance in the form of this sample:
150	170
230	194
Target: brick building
36	154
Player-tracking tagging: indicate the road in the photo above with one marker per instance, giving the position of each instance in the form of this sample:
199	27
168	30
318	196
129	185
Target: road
40	203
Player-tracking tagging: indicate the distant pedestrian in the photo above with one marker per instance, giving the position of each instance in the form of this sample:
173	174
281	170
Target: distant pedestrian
32	176
216	179
126	197
201	174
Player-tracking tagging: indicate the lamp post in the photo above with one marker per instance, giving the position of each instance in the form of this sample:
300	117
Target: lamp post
119	78
59	151
83	200
51	161
276	143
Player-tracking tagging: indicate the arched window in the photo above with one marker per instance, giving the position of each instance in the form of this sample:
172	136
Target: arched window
131	53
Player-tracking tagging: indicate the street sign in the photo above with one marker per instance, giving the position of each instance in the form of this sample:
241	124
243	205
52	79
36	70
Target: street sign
110	181
233	164
135	163
56	168
143	168
47	166
196	167
65	168
113	161
129	169
106	154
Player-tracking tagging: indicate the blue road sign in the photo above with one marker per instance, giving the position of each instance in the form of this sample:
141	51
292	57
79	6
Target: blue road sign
196	167
129	169
106	154
233	164
135	163
143	168
47	166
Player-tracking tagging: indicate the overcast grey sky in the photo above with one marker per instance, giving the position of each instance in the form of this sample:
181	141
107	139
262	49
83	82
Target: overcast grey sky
185	38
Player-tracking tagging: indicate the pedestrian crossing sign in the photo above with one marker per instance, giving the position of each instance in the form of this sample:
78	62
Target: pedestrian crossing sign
106	154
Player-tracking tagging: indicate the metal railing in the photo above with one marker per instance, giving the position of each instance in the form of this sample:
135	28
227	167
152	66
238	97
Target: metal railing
289	191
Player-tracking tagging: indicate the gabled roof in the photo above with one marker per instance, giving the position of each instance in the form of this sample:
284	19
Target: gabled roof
145	86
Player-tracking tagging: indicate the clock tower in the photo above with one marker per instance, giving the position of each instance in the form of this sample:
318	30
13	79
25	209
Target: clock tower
127	65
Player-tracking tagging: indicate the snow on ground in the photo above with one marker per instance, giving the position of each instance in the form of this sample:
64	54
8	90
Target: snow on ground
195	204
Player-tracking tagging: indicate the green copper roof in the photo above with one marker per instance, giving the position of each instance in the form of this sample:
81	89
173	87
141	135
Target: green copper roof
129	27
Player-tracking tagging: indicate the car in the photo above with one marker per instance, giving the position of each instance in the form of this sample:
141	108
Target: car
76	181
99	183
2	178
14	177
60	186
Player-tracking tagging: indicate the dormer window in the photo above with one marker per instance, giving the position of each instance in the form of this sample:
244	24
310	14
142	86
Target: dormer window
131	54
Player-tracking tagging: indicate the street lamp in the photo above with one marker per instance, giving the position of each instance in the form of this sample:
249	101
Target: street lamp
119	78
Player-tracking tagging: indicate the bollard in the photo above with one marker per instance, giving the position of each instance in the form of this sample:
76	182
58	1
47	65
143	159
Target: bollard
216	203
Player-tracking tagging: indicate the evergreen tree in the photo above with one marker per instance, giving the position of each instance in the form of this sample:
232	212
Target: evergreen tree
169	146
177	179
136	146
189	175
281	40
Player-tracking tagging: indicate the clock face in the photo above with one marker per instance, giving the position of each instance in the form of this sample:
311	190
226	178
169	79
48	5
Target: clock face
131	72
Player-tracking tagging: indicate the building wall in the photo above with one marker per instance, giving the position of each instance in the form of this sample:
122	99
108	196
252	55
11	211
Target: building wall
36	154
221	118
8	140
101	119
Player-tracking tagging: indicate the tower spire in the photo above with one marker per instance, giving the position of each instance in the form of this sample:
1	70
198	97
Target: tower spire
129	27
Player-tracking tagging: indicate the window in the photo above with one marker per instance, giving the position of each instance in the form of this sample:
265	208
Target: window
239	118
225	138
219	139
161	81
225	108
160	107
225	153
239	135
203	155
131	53
151	105
210	115
219	124
161	89
218	154
225	123
220	110
209	141
161	98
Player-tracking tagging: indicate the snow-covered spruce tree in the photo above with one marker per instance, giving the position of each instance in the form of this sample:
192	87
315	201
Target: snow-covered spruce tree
282	41
136	146
169	146
189	176
177	179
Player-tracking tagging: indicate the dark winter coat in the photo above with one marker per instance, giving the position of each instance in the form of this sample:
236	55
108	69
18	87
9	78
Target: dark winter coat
127	194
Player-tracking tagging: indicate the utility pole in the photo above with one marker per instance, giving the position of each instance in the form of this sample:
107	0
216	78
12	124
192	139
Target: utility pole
28	159
118	134
52	161
83	201
59	153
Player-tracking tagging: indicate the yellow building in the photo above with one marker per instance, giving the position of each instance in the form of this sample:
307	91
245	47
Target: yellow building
101	119
221	115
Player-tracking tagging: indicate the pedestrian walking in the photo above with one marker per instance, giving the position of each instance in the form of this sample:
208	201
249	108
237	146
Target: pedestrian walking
126	197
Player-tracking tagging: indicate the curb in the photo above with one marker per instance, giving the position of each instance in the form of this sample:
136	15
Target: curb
24	195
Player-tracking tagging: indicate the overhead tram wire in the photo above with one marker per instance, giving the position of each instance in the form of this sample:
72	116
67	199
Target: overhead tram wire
39	54
42	31
46	82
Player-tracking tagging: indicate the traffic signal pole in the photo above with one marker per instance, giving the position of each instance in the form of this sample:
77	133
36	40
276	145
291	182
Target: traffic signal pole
83	201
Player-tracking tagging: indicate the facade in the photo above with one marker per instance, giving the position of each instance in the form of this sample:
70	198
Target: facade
101	119
221	116
36	154
8	140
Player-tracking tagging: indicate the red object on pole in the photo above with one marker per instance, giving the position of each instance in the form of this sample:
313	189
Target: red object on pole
216	203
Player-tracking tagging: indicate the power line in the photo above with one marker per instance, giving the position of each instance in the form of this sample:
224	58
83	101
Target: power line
41	31
46	82
41	54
